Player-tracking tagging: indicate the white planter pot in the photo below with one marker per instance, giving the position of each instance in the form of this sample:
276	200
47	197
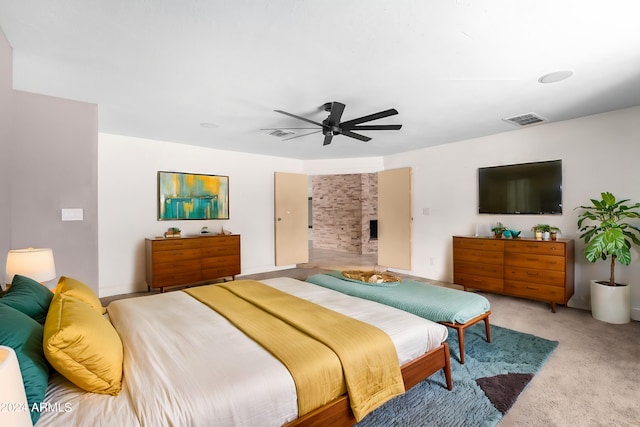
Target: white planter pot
546	235
611	304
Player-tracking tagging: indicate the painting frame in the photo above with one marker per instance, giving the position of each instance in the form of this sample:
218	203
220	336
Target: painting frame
192	196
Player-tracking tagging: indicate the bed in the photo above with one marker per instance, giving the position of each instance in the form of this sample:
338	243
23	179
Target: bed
185	364
450	307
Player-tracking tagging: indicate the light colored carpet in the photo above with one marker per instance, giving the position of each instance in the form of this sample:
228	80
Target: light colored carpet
591	379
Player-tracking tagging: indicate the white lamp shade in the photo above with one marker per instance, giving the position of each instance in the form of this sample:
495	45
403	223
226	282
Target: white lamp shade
15	409
36	264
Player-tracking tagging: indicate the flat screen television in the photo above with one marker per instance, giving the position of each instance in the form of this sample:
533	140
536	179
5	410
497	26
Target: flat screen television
526	188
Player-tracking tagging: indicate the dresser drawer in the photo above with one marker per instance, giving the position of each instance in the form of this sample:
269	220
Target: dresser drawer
214	251
478	282
483	244
535	247
543	262
162	257
529	290
215	262
532	275
175	244
221	271
478	269
180	266
477	255
175	278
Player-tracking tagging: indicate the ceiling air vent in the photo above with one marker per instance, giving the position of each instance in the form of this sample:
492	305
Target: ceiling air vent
279	133
525	119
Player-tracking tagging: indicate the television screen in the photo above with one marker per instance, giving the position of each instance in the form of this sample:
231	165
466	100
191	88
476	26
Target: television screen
527	188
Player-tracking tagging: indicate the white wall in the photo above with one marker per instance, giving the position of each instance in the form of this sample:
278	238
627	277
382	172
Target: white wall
444	181
54	166
127	170
127	185
599	153
6	128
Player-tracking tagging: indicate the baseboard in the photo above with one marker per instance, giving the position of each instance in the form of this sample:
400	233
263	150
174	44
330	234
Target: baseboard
635	314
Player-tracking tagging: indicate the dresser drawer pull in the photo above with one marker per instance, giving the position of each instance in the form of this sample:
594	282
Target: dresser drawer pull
531	274
532	246
532	259
533	288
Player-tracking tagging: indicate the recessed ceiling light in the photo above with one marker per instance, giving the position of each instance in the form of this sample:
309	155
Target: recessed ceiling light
556	76
209	125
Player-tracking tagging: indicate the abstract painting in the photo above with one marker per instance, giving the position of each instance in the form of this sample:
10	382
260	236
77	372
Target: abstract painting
192	196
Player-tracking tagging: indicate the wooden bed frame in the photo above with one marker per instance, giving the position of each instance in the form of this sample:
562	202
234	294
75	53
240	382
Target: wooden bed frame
460	327
338	412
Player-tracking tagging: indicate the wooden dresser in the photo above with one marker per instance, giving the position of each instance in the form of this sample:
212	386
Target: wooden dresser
180	261
527	268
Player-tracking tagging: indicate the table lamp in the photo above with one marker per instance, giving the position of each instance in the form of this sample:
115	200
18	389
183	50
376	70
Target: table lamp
15	409
34	263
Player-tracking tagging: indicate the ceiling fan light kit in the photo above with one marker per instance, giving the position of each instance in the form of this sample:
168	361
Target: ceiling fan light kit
332	125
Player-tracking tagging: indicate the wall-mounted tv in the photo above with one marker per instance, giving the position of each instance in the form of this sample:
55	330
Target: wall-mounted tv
192	196
526	188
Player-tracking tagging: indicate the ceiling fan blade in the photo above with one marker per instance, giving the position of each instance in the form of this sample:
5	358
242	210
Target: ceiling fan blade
355	135
304	134
386	113
376	127
283	128
337	109
298	117
327	139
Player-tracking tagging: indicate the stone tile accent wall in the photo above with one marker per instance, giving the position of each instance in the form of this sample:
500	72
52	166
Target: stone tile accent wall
342	208
369	211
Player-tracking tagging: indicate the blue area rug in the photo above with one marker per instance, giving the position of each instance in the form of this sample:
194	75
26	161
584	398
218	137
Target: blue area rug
484	388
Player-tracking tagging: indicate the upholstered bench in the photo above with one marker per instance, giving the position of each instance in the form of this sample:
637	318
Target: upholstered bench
451	307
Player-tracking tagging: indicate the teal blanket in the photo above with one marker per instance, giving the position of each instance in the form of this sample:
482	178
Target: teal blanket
436	303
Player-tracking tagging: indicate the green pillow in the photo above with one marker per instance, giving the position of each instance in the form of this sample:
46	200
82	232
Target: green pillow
29	297
24	335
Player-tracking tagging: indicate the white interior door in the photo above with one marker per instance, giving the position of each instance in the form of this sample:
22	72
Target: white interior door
395	221
291	218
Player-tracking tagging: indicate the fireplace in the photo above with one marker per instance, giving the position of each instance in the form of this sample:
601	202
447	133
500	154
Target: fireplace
373	229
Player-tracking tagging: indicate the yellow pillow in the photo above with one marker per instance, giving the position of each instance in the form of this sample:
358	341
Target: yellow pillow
77	289
83	345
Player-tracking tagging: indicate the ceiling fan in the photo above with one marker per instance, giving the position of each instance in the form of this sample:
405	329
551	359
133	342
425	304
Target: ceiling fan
333	126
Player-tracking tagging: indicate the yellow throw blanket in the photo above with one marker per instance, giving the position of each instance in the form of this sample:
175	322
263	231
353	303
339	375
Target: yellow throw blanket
300	334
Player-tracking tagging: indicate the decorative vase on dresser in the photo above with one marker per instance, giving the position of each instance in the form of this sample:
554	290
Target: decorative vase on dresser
526	268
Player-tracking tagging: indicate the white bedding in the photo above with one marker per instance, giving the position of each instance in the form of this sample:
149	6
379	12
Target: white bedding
186	365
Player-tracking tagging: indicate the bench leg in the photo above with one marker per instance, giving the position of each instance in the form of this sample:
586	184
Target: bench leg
487	328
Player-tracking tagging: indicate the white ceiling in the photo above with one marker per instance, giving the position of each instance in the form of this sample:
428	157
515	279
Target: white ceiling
453	69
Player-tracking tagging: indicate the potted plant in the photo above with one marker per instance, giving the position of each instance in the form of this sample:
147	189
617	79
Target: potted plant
608	234
498	229
172	232
542	231
554	232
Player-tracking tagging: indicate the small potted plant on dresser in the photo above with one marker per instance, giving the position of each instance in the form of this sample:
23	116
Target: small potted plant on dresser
553	232
498	229
542	231
607	233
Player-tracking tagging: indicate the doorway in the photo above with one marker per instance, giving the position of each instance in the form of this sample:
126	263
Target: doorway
343	221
